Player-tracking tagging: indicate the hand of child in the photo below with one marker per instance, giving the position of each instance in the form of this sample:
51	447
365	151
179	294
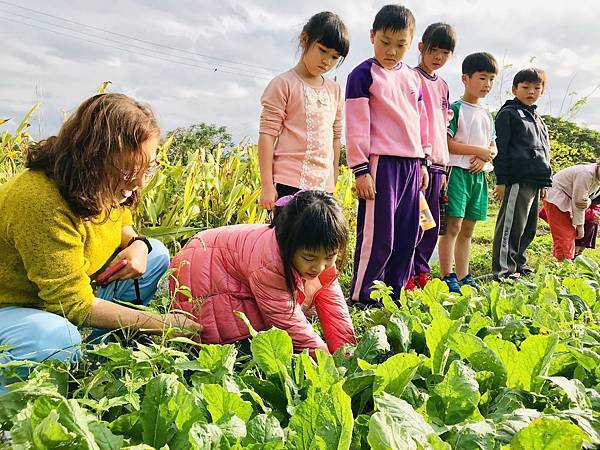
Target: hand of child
580	231
424	178
485	153
477	165
365	187
499	192
543	193
444	182
583	204
268	196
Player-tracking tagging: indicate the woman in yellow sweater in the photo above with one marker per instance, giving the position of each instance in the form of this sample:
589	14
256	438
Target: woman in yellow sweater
65	219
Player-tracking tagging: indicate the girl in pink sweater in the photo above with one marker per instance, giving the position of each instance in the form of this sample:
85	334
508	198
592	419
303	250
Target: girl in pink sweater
271	273
436	48
301	118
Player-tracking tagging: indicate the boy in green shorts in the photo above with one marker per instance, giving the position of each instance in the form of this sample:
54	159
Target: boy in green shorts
471	144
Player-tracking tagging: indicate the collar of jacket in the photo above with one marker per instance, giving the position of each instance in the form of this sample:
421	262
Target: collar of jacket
516	103
326	278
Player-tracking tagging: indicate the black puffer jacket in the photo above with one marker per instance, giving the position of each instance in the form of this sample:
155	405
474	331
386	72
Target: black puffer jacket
523	146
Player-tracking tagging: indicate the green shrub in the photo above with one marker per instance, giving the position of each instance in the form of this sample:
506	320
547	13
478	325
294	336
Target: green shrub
571	144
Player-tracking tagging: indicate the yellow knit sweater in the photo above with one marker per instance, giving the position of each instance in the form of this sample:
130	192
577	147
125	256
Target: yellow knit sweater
47	253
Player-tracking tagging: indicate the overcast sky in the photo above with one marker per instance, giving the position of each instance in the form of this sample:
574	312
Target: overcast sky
214	58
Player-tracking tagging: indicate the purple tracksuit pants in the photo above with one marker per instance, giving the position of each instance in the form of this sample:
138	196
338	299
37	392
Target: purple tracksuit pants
387	227
428	239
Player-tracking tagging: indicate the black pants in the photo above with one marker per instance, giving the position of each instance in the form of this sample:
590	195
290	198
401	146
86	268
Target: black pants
284	189
515	228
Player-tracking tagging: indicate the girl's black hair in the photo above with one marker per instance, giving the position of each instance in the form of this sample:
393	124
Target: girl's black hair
394	18
328	29
311	220
439	35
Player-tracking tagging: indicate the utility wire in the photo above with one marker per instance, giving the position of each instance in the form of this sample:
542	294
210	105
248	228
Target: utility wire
269	69
102	44
209	64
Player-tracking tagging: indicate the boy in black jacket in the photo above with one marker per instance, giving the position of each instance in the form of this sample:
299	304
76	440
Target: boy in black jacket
523	173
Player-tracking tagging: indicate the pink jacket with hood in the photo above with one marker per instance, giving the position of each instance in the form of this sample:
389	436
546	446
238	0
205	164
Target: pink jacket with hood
239	268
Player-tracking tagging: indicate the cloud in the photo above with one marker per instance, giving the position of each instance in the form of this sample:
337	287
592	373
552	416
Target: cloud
256	39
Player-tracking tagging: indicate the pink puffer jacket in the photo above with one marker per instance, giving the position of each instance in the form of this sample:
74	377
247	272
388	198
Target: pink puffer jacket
239	268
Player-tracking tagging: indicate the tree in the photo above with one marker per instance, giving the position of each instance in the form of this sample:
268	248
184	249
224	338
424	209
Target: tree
197	136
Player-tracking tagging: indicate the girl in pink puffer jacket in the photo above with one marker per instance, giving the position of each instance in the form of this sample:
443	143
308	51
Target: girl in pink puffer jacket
271	273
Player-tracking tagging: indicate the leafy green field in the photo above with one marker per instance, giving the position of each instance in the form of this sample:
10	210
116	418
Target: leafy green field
513	367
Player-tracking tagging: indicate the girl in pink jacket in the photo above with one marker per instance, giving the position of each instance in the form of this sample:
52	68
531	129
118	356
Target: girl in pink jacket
271	273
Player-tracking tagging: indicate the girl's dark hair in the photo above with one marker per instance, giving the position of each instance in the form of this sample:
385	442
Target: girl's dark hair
530	75
439	35
311	220
328	29
394	18
97	150
479	62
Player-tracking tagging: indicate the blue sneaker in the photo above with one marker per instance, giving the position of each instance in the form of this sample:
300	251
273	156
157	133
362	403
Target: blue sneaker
452	282
469	281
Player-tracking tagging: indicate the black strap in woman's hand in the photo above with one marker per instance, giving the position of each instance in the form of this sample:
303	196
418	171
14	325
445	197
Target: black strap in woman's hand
144	239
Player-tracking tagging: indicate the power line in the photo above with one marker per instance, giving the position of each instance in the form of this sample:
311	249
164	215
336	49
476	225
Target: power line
237	69
138	39
210	69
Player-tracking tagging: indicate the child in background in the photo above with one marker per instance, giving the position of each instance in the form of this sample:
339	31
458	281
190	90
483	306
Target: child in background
565	205
301	119
436	47
471	145
590	228
523	173
386	137
270	273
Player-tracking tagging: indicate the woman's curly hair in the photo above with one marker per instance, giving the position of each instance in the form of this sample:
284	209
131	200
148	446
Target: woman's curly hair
97	150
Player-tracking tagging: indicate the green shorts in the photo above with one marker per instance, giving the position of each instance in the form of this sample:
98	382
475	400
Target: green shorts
467	195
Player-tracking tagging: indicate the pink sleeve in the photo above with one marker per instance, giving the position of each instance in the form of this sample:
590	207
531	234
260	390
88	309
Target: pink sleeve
337	125
358	132
334	317
424	124
589	214
275	305
274	103
592	211
358	119
450	110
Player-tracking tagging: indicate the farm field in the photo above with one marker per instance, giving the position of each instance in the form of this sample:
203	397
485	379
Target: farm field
513	366
510	367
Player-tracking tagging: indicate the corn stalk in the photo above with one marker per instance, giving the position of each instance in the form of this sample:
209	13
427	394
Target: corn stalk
213	189
12	147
